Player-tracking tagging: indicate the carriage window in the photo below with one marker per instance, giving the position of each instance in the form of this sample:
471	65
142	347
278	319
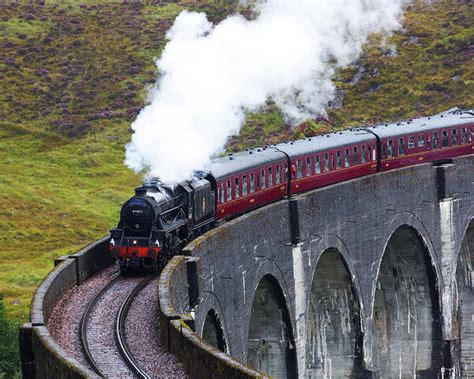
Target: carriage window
435	140
355	158
326	162
369	151
444	140
338	159
262	184
454	138
421	141
236	188
244	185
347	158
411	142
309	169
252	183
363	157
270	177
229	191
299	168
317	165
464	135
401	148
471	133
221	190
390	148
277	173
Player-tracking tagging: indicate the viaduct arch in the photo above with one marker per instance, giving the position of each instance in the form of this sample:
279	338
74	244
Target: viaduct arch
382	282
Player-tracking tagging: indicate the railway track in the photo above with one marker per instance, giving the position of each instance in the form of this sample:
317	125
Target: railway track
102	329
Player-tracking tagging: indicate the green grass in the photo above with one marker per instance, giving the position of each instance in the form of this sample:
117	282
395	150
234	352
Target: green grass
58	195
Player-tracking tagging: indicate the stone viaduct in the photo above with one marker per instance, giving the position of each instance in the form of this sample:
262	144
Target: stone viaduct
371	278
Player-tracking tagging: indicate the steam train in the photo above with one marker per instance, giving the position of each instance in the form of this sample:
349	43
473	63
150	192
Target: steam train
161	219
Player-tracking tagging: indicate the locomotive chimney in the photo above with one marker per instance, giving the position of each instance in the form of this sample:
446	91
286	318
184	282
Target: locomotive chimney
140	191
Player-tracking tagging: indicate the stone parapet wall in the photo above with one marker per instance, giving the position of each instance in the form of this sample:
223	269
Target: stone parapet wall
41	356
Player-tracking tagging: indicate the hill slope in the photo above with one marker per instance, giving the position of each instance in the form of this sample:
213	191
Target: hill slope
74	76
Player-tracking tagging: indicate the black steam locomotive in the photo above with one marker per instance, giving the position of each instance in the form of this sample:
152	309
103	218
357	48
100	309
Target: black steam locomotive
160	219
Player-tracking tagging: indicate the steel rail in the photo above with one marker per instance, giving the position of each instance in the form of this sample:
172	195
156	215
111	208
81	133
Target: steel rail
120	329
84	321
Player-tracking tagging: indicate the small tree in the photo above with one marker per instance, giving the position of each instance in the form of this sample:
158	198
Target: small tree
9	357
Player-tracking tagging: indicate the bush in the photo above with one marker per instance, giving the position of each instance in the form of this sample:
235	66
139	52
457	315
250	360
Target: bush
9	357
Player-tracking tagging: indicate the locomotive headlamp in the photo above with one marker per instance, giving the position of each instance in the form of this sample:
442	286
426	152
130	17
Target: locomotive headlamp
134	242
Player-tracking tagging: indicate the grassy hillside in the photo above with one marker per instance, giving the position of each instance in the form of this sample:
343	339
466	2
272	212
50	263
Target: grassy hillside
74	75
73	78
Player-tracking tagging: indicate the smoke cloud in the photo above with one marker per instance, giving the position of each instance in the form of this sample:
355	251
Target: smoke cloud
210	76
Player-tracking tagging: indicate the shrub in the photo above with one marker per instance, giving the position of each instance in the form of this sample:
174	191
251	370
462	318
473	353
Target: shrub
9	357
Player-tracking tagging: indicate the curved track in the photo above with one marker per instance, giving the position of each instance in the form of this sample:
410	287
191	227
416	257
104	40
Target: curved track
103	341
120	330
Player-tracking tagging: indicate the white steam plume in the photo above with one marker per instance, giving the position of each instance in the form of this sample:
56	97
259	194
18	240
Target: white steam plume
211	75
